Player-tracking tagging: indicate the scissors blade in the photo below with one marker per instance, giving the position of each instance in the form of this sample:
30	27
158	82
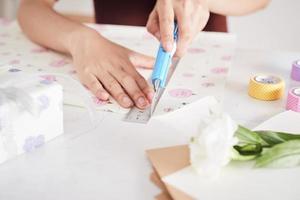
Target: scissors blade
158	90
155	100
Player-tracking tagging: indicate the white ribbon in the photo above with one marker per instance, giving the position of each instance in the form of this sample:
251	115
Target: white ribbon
12	101
21	77
19	97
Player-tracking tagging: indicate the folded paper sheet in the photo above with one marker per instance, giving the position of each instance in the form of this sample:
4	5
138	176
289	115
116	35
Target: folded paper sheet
30	114
187	119
200	73
167	161
237	180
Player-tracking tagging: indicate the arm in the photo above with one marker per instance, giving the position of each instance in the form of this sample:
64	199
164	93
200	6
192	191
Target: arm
106	68
46	27
236	7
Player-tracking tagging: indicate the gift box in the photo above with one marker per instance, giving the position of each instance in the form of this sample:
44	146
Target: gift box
30	113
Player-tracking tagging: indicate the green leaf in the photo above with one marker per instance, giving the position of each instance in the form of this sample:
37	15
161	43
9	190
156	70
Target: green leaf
249	149
273	138
247	136
286	154
235	155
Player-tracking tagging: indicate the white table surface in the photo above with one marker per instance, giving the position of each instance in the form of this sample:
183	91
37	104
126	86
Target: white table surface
109	162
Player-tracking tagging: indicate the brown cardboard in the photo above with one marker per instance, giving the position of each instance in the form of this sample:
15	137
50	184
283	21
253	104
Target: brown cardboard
167	161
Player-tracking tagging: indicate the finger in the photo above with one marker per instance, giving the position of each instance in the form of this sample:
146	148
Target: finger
144	86
141	60
131	87
142	83
153	24
93	84
115	89
166	23
96	88
184	32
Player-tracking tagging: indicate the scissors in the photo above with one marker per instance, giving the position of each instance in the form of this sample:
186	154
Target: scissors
161	73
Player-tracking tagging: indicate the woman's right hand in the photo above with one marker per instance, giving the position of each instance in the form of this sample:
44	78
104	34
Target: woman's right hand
109	69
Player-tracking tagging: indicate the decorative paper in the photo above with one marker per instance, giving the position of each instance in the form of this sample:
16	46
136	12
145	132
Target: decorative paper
201	72
30	114
239	180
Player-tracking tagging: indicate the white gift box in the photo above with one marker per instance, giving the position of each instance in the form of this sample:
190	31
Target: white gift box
31	113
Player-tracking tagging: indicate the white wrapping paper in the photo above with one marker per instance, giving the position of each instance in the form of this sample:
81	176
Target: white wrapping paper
30	113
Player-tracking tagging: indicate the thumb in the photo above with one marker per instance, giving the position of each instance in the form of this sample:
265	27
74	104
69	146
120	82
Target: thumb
142	61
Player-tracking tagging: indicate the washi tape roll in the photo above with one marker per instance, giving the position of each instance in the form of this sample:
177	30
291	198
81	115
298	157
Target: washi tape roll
293	100
295	73
266	87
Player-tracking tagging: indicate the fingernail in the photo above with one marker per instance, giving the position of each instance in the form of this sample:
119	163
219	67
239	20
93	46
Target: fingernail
104	95
127	102
142	101
169	46
150	96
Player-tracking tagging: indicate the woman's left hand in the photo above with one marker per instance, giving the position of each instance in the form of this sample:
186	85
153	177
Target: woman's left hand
191	16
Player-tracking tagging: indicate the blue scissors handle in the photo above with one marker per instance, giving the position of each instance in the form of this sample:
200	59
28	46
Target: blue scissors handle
163	62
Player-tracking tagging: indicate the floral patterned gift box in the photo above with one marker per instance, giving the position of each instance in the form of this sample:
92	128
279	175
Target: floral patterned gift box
30	113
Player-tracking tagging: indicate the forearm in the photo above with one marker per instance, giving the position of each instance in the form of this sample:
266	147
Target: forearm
236	7
46	27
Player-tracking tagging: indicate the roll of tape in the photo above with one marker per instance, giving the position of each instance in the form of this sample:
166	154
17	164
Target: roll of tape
295	73
266	87
293	100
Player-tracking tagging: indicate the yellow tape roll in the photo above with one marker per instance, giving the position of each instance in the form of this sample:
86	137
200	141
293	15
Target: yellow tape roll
266	87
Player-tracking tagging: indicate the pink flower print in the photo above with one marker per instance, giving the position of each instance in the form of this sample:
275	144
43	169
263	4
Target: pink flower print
195	50
226	58
4	35
99	102
39	50
47	79
208	84
220	70
5	22
44	102
31	143
58	63
14	62
180	93
188	75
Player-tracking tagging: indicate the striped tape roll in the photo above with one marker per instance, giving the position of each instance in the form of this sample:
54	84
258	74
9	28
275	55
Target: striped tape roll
295	73
293	100
266	87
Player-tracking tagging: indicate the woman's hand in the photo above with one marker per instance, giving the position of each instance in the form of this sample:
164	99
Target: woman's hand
109	69
191	16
